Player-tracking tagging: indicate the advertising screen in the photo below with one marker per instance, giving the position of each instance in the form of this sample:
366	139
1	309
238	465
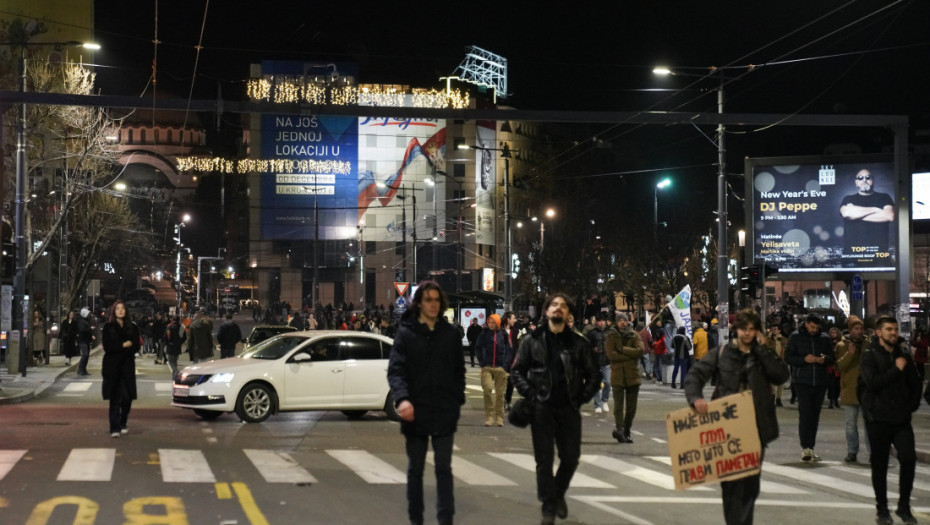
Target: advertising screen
822	214
920	187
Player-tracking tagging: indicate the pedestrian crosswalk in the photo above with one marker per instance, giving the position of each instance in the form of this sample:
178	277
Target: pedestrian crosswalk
597	472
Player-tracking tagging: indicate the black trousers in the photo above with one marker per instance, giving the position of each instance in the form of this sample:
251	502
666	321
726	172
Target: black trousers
120	404
555	427
625	396
810	402
882	436
442	457
739	498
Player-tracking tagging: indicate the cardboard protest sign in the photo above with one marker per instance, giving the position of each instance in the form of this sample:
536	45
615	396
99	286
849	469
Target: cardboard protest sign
722	445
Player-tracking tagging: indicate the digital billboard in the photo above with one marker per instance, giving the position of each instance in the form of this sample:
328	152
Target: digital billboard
920	187
822	214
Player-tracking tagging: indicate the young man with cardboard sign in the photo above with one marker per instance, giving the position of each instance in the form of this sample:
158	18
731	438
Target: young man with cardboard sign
749	363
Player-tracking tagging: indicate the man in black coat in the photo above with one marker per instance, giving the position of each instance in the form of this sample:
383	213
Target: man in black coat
426	374
474	330
556	372
228	336
749	362
810	352
890	389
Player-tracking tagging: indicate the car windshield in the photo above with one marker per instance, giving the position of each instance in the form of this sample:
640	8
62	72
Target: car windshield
274	348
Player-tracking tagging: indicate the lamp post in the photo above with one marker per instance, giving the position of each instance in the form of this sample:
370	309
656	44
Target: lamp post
662	184
404	189
550	213
505	151
741	238
458	226
199	261
18	318
723	299
177	267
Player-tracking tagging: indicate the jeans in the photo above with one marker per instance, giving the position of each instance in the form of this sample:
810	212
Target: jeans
120	404
810	401
173	364
147	344
882	435
493	382
683	365
657	367
85	355
739	498
625	396
603	394
555	427
646	361
442	458
852	430
159	349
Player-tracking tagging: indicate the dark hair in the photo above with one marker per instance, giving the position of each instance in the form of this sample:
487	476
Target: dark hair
423	287
507	315
746	318
563	296
111	312
883	320
813	318
229	316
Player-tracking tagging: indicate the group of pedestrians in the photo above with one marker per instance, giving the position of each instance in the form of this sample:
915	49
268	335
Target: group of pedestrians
557	370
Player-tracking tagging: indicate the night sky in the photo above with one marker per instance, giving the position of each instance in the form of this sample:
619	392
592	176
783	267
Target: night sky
851	57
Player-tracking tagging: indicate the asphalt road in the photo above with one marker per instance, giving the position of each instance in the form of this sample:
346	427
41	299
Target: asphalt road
58	465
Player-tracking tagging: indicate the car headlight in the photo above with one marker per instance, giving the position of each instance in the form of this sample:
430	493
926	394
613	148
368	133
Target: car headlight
221	378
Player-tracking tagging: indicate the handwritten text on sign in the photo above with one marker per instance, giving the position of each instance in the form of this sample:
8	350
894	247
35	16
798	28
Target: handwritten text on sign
722	445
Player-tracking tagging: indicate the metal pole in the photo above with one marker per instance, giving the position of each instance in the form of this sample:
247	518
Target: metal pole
436	219
177	266
19	278
414	236
316	252
723	296
508	264
655	214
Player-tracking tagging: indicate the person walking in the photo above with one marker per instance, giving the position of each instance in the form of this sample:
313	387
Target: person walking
781	343
810	352
556	373
200	343
683	348
848	354
891	391
159	325
494	358
175	335
121	338
597	337
474	330
229	336
624	348
509	328
68	335
750	363
38	338
426	374
85	338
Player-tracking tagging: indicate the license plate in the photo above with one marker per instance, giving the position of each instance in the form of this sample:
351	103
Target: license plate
180	391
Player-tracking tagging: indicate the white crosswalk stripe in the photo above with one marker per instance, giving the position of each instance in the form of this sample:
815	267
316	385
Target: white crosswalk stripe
184	466
278	467
527	462
473	474
652	477
88	464
766	486
8	459
369	467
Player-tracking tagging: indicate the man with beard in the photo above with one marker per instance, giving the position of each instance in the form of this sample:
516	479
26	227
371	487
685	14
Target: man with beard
748	363
867	215
556	373
891	392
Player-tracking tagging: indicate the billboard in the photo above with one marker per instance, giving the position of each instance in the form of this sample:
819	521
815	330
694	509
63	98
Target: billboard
920	187
822	214
485	181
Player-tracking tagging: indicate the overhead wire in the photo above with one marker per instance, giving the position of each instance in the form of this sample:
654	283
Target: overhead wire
198	47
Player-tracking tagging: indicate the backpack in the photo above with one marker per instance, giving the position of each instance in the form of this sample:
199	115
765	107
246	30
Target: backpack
658	347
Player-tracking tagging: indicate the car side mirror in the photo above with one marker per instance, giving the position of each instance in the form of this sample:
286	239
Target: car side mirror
300	357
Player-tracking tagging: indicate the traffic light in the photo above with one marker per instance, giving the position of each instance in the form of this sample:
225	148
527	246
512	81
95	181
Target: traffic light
749	279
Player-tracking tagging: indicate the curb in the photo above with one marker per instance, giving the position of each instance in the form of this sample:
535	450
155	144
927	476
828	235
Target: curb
12	396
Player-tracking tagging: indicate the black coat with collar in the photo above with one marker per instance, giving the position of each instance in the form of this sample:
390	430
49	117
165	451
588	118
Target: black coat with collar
888	394
531	373
426	368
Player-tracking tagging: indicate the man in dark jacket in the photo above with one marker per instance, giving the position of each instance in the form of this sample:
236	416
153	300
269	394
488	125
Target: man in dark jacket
85	338
494	357
200	342
474	330
891	391
229	335
624	348
556	372
426	374
174	338
810	352
597	336
749	363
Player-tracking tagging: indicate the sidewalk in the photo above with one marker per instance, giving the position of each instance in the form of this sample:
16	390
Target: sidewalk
14	388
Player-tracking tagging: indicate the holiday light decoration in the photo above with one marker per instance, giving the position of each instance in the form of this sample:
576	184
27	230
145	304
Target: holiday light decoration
221	165
296	89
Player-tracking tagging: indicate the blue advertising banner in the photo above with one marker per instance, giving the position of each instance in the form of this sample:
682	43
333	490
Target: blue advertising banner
825	215
326	150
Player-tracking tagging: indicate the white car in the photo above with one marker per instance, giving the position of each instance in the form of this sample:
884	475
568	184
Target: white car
314	370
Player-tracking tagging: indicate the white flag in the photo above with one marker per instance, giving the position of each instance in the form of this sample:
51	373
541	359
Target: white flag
681	309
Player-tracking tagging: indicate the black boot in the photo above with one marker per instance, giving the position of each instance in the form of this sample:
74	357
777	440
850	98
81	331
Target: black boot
626	436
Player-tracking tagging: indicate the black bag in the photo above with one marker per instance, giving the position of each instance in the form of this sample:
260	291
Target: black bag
521	413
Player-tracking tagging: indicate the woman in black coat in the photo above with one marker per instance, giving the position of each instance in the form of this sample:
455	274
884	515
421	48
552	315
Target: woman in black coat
68	335
121	340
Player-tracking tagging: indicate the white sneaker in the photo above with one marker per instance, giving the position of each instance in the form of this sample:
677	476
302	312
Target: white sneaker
114	434
605	408
597	410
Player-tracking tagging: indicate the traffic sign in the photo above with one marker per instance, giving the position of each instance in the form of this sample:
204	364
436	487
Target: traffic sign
857	283
401	288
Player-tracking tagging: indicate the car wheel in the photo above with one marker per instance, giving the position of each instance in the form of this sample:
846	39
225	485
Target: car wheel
390	409
255	403
354	414
208	415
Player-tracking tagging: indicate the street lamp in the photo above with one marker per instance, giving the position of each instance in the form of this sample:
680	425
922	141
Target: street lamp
19	233
723	299
403	188
177	267
458	256
662	184
508	278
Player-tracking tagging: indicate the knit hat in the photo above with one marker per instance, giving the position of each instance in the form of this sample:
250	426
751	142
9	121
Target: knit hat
623	316
84	312
497	319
